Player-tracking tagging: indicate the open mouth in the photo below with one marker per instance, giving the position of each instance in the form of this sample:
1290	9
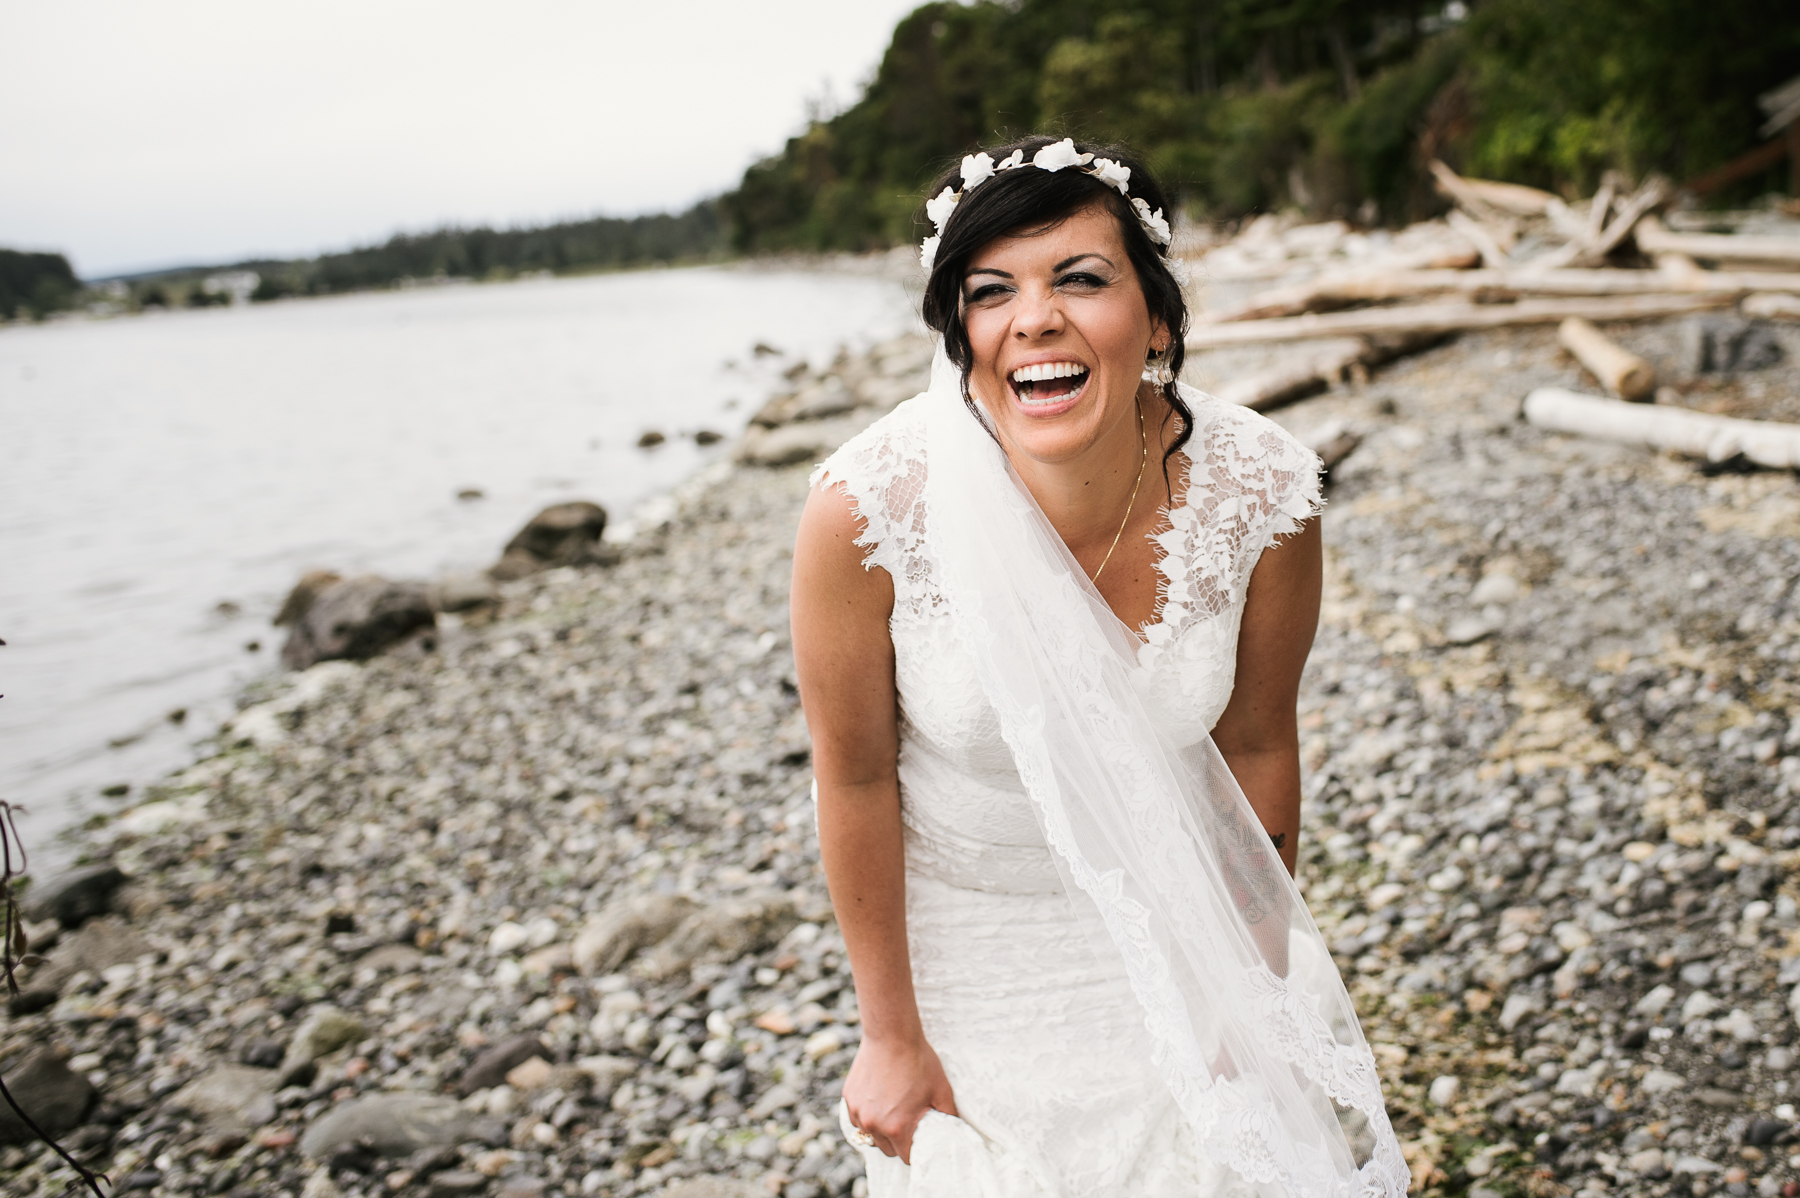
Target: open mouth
1048	382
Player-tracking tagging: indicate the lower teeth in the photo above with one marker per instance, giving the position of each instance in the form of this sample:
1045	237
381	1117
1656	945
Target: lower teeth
1028	393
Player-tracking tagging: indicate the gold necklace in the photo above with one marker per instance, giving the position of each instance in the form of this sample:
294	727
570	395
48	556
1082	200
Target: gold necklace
1144	456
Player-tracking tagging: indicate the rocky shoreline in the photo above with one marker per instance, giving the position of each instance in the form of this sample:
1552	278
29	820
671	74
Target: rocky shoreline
538	912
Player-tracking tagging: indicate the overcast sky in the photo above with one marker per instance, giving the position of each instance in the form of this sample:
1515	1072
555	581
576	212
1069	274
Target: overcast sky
144	133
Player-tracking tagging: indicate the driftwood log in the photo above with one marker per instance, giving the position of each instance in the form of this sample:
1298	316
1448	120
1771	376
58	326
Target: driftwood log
1333	443
1618	369
1487	209
1448	318
1312	370
1772	305
1514	199
1308	374
1696	434
1653	238
1592	242
1484	237
1342	290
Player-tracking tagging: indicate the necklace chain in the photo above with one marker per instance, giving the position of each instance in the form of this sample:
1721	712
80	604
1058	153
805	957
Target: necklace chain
1143	456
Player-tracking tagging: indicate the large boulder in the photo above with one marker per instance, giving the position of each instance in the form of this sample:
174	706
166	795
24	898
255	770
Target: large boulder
563	534
822	400
355	619
801	442
74	896
312	584
55	1096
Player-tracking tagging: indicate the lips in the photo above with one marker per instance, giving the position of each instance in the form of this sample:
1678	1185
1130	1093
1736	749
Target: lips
1048	382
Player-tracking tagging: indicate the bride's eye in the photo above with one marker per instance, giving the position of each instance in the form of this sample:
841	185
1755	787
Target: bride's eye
1081	280
987	291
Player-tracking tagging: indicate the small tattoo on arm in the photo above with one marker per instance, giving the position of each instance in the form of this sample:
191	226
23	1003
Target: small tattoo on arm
1278	839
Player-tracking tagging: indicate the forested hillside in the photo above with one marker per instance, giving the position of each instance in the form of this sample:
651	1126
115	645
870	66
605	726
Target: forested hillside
35	284
1328	105
598	244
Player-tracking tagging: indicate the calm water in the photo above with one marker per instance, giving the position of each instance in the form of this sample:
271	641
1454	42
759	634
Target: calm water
165	478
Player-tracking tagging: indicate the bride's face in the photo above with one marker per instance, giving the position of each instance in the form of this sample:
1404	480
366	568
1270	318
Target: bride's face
1059	330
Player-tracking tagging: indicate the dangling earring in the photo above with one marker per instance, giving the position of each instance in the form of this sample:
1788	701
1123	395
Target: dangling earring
1157	369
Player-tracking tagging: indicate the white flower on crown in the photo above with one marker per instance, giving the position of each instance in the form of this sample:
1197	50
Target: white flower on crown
1059	155
939	209
1153	222
1110	172
976	169
980	167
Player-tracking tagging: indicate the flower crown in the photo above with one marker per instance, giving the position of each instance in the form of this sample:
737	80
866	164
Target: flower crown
978	168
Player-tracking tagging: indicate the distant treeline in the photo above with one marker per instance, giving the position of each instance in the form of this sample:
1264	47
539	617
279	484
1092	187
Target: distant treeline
1331	106
603	243
35	285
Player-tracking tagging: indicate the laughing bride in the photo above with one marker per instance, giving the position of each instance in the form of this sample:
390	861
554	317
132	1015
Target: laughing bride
1050	619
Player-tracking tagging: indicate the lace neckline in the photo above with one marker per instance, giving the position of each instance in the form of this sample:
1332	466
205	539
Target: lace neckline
1181	476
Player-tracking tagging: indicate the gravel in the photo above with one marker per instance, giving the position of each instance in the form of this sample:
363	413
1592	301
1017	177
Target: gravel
555	885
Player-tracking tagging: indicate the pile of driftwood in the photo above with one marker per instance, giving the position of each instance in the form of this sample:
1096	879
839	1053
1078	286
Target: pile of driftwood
1505	255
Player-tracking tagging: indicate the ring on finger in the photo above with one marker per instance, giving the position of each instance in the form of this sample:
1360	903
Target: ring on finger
861	1138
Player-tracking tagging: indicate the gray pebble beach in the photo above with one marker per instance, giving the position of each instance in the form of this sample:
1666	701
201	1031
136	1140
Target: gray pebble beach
538	911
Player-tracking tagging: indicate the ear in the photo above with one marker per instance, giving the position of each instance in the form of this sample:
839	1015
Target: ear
1159	335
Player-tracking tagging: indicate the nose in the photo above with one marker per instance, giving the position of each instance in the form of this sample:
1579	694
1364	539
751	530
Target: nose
1038	315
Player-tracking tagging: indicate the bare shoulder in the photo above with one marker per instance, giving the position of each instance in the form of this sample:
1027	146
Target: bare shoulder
843	652
840	602
832	549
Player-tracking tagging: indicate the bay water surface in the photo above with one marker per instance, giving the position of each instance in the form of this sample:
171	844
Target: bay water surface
165	478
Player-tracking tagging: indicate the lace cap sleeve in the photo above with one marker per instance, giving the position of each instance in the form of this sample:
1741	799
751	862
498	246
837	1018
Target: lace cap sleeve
1259	473
881	471
1249	483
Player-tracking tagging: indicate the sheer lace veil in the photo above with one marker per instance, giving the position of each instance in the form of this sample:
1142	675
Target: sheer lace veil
1253	1031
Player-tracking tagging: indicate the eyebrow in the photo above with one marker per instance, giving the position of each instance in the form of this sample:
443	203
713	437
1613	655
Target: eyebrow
1063	265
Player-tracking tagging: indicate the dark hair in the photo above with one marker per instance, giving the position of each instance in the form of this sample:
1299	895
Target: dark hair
1026	198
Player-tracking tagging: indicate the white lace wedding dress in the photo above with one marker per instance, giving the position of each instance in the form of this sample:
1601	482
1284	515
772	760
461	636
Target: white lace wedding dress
1041	1038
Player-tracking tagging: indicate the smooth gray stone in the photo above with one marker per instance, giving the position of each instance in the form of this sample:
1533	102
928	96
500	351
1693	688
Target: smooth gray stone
356	619
390	1124
464	592
325	1030
456	1182
563	534
807	441
709	1187
725	930
827	398
624	926
74	896
230	1097
55	1096
491	1067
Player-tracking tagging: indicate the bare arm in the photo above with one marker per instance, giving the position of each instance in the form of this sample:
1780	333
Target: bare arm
845	661
1258	734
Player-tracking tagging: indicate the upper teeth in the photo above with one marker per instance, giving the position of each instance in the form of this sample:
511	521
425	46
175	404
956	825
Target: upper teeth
1045	371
